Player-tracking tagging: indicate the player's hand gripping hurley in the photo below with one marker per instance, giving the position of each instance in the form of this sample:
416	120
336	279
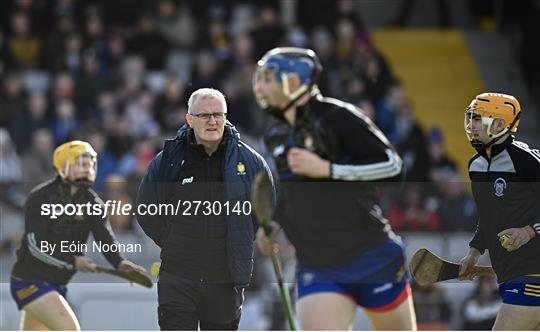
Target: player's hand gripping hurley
261	200
427	268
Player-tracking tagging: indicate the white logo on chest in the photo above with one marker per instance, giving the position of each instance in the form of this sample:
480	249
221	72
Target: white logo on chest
500	186
187	180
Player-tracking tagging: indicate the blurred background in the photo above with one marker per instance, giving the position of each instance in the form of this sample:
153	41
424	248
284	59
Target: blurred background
118	73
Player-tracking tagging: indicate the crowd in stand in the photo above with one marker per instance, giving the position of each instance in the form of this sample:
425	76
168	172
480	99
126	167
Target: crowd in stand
118	75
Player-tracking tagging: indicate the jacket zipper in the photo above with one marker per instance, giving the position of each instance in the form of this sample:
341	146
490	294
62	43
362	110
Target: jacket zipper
205	234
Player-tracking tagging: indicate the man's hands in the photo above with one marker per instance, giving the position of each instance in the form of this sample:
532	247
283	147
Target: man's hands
128	266
307	163
266	244
470	260
513	238
85	264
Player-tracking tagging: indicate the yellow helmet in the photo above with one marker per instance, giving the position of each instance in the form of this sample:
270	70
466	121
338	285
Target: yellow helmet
65	156
490	106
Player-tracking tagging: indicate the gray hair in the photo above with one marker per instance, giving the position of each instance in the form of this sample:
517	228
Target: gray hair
206	93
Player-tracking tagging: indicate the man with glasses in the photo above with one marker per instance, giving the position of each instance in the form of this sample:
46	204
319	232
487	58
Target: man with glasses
206	173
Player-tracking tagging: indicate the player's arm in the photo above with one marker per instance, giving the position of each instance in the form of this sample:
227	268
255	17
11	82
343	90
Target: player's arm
102	231
529	164
533	229
35	230
477	247
372	157
153	226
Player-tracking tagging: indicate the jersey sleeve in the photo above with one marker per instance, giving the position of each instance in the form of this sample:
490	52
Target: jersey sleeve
102	231
371	155
478	241
35	230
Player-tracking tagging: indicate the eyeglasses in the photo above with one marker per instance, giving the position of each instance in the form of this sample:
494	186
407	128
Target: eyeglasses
206	116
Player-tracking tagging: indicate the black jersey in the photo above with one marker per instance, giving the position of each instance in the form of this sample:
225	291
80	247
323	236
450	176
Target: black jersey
34	262
334	220
506	188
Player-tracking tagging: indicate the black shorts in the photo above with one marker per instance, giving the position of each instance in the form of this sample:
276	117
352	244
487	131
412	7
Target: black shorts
184	304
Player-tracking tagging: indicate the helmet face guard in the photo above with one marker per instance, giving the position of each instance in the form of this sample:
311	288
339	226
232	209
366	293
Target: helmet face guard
485	109
280	64
76	157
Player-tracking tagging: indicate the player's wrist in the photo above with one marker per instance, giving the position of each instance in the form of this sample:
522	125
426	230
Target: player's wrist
327	173
530	231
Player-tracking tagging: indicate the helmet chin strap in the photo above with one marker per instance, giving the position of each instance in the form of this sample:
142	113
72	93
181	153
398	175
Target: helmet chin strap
279	112
479	145
83	182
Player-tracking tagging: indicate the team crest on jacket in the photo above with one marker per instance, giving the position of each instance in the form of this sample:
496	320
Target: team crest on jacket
308	142
500	186
241	168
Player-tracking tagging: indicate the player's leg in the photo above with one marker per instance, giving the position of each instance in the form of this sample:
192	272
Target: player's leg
53	311
401	317
386	294
30	323
326	311
521	304
517	317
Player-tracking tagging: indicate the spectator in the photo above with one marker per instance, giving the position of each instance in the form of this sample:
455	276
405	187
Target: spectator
55	40
10	172
89	84
323	44
11	99
432	307
480	309
139	116
177	24
207	71
11	202
412	214
115	52
411	144
65	126
94	36
63	87
33	116
71	58
149	43
346	10
23	48
387	112
108	164
442	166
36	162
456	207
269	33
170	107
